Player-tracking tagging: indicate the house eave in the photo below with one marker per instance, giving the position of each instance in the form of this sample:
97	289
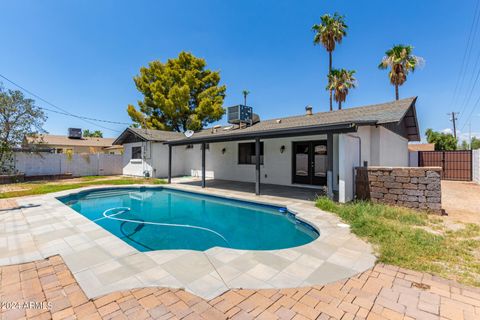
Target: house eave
270	134
121	138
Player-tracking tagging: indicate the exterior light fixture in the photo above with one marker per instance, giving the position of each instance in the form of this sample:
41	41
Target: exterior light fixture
282	149
224	150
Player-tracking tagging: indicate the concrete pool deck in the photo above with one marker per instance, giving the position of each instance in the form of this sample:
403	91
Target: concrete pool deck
101	263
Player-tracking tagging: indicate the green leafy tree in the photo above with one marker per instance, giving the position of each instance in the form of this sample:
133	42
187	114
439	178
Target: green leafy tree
340	81
19	117
328	33
442	141
464	145
401	61
93	134
475	143
178	95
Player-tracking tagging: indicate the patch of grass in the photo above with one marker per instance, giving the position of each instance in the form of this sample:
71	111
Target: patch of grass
43	187
401	237
92	178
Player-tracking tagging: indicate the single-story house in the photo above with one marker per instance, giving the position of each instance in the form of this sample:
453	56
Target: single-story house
74	144
312	149
413	147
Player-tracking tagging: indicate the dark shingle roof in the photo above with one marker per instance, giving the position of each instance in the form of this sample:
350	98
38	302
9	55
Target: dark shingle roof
133	134
157	135
390	112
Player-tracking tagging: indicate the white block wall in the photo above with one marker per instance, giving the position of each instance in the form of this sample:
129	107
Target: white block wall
413	158
476	165
35	164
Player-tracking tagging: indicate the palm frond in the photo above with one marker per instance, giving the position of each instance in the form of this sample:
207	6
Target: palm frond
401	61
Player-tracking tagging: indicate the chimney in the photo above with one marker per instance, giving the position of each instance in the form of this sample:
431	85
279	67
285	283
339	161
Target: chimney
308	110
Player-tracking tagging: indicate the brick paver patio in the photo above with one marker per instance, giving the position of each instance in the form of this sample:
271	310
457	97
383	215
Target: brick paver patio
384	292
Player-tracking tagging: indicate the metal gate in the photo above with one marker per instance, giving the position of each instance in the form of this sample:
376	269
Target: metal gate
456	165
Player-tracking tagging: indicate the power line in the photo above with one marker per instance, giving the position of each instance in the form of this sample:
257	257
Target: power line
64	111
471	112
466	54
82	117
468	96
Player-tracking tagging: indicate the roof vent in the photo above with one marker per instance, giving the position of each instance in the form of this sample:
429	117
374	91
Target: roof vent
215	128
309	110
74	133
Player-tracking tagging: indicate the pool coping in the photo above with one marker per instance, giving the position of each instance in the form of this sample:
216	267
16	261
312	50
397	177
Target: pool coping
103	263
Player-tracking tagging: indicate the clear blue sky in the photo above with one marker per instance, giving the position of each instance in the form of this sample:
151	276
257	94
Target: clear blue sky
82	55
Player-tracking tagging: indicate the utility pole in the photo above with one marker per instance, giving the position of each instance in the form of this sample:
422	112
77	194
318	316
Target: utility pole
470	134
453	119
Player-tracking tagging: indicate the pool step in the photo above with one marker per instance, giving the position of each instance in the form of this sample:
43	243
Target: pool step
107	193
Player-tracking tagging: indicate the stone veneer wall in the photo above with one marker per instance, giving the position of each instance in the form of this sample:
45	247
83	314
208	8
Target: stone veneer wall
418	188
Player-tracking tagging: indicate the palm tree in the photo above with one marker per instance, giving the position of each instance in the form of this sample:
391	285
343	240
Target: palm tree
245	94
341	81
329	32
401	61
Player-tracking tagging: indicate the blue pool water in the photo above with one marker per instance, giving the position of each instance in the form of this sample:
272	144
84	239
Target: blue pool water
159	218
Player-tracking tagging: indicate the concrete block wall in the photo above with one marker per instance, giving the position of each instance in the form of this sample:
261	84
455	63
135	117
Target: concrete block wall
476	165
40	164
417	188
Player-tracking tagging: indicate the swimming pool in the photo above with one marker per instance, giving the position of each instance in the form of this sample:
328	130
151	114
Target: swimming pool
160	218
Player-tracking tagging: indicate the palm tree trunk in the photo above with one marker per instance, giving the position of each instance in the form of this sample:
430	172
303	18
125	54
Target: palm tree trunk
339	105
329	71
396	92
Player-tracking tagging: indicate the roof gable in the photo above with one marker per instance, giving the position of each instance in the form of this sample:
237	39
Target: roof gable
138	134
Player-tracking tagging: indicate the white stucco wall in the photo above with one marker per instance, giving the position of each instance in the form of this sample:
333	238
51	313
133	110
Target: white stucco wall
349	147
135	167
154	160
277	168
379	147
393	149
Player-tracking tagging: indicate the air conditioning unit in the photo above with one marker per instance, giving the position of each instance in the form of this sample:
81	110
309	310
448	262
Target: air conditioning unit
74	133
240	114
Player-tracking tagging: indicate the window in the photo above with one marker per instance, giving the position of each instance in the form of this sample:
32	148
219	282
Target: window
246	153
136	152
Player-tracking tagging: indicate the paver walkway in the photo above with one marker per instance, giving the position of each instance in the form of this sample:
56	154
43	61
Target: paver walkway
384	292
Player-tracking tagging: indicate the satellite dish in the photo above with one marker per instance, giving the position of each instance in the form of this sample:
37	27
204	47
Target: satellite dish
189	133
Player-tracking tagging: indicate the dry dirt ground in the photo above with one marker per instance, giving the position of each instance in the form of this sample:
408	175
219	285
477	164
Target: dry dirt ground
461	201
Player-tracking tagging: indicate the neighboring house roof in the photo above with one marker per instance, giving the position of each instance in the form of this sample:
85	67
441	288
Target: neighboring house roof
56	140
421	147
398	116
115	147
